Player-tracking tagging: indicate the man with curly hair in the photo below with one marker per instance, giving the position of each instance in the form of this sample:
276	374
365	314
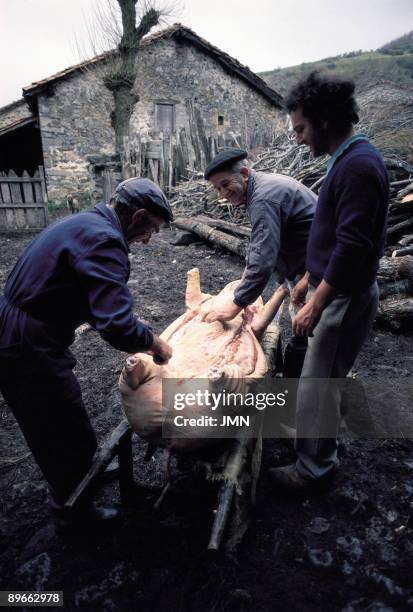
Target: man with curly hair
338	295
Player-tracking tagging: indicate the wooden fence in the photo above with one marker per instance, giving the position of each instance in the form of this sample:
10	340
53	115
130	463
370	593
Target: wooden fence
23	201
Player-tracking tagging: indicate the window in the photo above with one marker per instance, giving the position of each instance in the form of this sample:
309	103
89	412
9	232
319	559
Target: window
165	118
220	120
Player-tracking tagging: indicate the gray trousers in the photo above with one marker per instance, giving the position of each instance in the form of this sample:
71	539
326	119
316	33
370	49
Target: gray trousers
337	340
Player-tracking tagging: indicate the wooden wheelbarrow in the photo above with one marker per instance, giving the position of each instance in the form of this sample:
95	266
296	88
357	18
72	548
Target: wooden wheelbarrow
242	458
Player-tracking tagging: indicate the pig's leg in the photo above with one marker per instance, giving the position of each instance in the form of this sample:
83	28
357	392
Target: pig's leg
263	318
193	295
229	377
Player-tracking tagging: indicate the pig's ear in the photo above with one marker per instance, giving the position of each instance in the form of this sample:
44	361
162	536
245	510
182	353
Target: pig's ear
193	295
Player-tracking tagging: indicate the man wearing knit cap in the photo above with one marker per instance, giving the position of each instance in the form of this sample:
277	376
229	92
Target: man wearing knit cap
280	210
74	272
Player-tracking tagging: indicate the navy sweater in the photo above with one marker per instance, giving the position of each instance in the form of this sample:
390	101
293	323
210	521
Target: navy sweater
349	228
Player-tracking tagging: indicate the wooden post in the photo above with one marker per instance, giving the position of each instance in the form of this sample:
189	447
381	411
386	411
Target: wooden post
225	498
170	166
103	457
16	194
125	466
162	165
5	189
27	189
43	184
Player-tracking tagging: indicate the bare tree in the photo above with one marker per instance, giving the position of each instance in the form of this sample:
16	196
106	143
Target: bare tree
117	30
121	81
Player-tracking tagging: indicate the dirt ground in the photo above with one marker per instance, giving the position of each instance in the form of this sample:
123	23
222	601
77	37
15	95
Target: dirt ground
350	549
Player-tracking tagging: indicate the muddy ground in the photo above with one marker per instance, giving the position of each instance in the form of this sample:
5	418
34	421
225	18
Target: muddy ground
349	549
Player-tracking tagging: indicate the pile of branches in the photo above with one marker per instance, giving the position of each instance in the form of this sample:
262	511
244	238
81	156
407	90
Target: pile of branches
400	219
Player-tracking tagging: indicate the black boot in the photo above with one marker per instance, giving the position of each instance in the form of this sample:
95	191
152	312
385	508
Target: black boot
82	517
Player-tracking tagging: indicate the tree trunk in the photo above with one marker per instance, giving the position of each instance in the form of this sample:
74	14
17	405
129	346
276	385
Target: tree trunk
120	80
232	228
395	268
396	313
235	245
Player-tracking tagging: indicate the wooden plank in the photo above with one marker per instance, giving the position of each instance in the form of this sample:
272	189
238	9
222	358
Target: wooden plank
23	217
5	192
19	179
126	483
33	205
31	217
10	218
45	217
43	184
27	188
20	214
107	185
226	496
17	125
170	165
38	193
16	194
103	457
162	165
153	171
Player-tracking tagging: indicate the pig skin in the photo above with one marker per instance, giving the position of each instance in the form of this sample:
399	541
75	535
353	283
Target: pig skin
228	354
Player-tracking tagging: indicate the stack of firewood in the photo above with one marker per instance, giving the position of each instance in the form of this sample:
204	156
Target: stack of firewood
400	219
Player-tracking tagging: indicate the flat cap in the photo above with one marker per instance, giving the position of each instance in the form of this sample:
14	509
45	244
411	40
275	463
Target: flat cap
224	160
141	192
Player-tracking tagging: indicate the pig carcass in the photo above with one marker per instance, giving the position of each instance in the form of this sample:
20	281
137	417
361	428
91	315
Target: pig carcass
227	354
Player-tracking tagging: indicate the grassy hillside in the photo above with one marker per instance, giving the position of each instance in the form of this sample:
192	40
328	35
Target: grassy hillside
401	45
366	68
384	90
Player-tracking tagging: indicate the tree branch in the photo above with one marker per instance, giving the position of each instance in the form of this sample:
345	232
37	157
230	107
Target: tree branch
128	10
148	21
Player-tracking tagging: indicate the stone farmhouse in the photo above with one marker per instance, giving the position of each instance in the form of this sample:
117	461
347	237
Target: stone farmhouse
192	100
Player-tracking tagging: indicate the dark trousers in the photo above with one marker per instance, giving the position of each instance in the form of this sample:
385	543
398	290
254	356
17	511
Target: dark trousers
45	398
338	338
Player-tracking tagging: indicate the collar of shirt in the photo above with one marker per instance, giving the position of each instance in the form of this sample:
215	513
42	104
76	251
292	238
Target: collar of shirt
110	214
250	186
343	147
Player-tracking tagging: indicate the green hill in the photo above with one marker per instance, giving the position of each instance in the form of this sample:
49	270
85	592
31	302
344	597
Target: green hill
401	45
384	90
366	68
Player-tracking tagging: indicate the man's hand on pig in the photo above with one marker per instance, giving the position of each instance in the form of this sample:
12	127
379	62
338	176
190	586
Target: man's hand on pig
160	350
221	311
300	291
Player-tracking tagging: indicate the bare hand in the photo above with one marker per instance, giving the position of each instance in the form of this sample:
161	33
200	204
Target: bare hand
221	312
300	291
306	319
160	350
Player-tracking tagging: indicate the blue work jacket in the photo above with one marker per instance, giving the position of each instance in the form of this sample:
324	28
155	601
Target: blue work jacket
74	272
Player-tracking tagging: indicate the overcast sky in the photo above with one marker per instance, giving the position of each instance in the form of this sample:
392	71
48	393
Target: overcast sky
37	37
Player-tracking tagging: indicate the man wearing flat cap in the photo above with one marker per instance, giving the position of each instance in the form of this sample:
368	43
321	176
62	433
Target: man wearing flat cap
280	210
74	272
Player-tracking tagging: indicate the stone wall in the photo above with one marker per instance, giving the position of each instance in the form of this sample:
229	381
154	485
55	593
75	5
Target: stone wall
13	112
75	124
75	117
202	91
